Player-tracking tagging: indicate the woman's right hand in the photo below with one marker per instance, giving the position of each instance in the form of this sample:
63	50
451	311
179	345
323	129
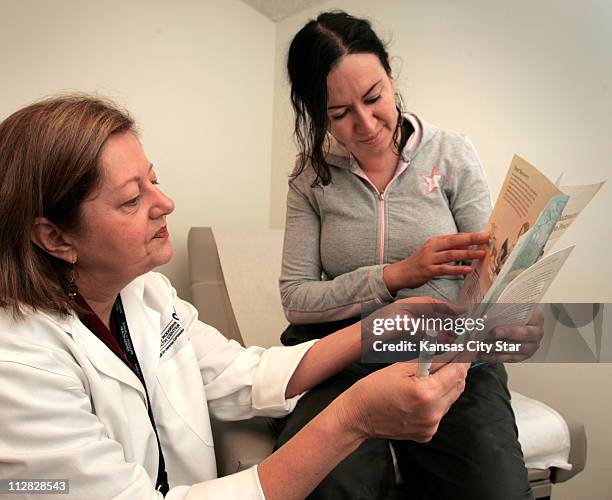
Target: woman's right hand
393	403
433	258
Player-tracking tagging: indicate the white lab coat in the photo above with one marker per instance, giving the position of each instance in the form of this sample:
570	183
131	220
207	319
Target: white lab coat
70	408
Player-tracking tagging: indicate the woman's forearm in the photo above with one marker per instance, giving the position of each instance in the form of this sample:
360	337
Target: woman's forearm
326	358
296	468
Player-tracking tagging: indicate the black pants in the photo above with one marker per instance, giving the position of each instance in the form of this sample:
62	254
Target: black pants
475	455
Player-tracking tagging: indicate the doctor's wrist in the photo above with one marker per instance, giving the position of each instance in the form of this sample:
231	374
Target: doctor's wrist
351	421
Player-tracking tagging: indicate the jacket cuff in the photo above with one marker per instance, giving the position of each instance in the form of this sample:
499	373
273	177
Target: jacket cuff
272	376
377	284
243	484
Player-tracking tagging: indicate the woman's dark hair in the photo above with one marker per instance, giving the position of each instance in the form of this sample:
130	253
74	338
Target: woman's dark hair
49	163
313	53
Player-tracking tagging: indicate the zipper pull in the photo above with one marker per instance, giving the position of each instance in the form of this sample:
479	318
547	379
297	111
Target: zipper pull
381	196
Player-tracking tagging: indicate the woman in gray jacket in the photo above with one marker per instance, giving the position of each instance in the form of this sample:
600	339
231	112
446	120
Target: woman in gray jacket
383	205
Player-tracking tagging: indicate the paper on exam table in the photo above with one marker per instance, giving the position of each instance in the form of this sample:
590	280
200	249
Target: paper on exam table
543	434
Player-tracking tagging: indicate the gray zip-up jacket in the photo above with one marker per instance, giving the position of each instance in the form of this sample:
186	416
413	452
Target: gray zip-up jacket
339	237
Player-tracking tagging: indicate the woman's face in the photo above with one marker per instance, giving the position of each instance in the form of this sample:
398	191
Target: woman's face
123	222
361	105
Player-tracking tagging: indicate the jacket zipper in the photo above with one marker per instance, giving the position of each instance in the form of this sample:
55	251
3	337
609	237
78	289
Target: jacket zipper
381	198
381	207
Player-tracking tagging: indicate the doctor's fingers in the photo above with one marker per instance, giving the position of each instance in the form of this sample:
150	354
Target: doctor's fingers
512	344
509	352
427	395
516	333
537	318
504	358
462	359
449	382
430	399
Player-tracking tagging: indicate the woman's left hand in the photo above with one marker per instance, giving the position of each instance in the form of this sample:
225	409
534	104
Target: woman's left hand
526	338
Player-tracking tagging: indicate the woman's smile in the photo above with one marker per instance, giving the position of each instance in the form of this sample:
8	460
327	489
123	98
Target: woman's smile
374	139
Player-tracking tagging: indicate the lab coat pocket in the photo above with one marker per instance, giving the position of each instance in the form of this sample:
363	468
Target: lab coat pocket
181	381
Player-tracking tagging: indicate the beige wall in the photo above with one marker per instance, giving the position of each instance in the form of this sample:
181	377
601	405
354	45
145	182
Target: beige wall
205	81
197	76
525	77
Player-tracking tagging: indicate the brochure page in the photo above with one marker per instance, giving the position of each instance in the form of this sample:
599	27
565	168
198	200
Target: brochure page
524	195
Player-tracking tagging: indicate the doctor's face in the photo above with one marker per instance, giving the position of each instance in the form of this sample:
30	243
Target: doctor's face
361	105
123	230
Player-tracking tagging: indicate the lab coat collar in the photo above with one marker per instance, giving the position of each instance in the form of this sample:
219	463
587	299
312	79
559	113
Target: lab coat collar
104	360
143	323
145	326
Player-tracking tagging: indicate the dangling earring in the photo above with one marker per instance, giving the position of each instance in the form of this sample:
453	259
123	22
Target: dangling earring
71	287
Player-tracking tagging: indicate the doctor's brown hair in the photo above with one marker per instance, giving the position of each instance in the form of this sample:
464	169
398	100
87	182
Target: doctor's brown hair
49	154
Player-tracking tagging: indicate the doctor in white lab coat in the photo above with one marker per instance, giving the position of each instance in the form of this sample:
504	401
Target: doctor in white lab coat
105	374
73	401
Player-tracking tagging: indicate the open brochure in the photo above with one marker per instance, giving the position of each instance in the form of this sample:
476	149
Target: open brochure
530	214
504	287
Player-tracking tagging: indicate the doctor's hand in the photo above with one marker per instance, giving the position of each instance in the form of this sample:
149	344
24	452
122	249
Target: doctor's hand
434	258
516	342
393	403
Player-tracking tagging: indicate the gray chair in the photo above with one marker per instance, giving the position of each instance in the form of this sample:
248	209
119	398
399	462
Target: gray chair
240	445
